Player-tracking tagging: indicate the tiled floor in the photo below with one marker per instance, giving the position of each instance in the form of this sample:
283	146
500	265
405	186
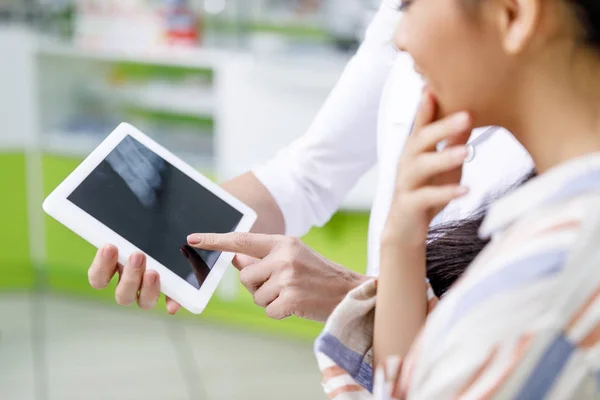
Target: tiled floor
55	348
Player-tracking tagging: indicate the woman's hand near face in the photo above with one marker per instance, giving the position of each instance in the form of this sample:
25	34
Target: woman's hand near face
428	179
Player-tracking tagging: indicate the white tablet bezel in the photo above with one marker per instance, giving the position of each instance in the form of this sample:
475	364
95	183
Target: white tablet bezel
83	224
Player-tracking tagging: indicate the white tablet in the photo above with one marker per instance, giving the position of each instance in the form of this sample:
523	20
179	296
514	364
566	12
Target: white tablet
137	195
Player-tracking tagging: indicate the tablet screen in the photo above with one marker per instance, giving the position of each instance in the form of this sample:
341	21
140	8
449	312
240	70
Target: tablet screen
155	207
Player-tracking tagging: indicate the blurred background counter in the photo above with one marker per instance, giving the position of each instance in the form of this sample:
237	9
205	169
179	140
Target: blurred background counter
223	84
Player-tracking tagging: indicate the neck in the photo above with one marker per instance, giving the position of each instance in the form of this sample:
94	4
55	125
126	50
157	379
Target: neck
559	119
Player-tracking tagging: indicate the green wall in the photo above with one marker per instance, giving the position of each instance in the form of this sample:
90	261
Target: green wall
68	255
16	271
343	240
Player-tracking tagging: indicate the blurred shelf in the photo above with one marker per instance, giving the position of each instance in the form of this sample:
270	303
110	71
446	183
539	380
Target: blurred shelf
184	101
284	24
70	144
185	58
80	145
192	104
12	143
314	60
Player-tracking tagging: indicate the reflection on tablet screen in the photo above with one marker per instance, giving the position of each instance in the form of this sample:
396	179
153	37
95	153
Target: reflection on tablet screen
155	206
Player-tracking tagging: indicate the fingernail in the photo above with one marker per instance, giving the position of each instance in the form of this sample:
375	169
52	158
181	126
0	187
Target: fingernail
193	239
462	190
462	118
108	253
137	260
460	153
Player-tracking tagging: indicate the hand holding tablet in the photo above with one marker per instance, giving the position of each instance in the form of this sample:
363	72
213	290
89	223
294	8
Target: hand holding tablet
134	193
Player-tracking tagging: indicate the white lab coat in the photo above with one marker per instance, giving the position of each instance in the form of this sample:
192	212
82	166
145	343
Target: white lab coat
365	121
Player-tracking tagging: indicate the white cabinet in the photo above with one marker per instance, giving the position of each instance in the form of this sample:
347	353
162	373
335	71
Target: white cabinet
221	111
18	111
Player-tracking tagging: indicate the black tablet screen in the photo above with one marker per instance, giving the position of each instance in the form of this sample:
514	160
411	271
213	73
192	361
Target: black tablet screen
155	206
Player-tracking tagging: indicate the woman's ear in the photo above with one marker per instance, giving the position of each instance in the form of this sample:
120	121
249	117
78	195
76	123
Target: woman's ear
519	20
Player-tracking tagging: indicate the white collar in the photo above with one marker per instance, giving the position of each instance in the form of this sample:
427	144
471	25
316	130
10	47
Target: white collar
478	138
563	181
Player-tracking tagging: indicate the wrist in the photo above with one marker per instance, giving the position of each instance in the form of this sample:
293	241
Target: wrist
404	229
398	253
357	279
350	279
342	283
396	241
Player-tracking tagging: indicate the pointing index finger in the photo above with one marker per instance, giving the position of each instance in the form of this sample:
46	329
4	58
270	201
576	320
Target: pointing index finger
250	244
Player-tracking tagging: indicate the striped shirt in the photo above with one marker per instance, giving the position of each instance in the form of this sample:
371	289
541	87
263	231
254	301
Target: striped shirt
523	322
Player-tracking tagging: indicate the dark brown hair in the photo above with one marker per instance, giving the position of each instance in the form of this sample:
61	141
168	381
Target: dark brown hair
588	15
451	247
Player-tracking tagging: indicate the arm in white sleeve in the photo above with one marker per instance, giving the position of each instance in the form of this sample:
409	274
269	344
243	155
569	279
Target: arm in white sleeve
310	178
